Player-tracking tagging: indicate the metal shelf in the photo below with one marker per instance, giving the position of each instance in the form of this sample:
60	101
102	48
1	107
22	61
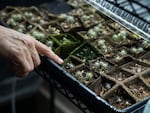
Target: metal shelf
132	14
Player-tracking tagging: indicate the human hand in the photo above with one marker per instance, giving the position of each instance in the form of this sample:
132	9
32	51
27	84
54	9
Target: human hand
23	51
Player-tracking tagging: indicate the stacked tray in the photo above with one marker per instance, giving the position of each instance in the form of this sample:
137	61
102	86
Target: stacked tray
107	58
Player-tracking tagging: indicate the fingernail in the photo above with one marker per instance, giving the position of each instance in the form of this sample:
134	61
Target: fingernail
60	61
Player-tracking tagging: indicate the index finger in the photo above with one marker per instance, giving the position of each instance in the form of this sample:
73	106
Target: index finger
44	50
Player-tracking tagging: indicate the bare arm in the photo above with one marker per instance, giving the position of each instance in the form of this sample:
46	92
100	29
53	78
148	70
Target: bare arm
23	51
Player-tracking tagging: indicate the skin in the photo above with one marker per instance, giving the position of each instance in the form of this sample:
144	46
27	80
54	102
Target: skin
23	51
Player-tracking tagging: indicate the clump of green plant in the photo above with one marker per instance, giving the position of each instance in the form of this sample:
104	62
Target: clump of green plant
120	55
146	44
14	20
84	76
100	66
136	50
39	35
104	47
50	43
28	15
86	53
96	31
69	22
53	30
122	35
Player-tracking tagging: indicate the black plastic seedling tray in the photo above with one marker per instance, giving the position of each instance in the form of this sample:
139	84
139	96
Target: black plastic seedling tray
84	94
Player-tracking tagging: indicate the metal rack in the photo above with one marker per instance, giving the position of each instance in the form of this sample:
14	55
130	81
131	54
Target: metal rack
132	14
